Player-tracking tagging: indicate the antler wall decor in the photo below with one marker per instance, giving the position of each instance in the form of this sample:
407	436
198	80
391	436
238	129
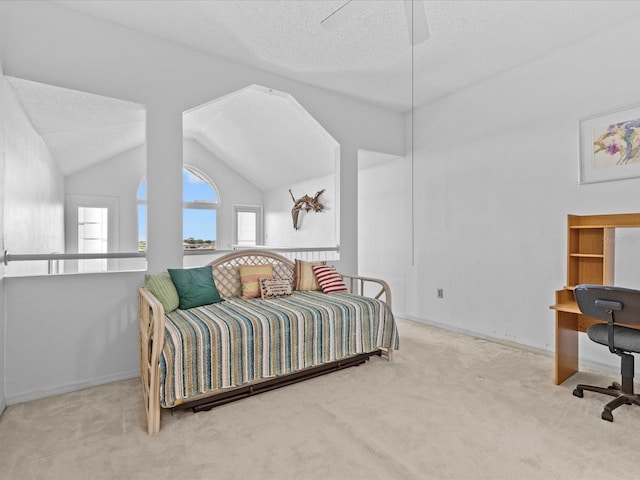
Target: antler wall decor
305	203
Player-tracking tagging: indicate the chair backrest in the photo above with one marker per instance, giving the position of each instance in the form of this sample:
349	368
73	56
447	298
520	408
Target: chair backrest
597	301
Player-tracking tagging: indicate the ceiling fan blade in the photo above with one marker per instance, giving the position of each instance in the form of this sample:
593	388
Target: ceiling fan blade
349	9
416	21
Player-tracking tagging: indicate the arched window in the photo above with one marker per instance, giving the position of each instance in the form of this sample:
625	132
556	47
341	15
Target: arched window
200	201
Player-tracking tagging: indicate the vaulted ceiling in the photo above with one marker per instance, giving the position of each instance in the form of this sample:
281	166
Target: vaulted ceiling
251	129
256	128
368	55
80	129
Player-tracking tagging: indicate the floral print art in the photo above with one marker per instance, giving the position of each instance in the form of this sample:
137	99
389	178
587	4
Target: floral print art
618	144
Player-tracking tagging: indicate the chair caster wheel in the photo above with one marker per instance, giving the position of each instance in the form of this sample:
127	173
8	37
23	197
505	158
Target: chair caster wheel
578	393
607	415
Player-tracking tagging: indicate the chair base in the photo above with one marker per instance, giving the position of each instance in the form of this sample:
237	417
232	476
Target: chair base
615	390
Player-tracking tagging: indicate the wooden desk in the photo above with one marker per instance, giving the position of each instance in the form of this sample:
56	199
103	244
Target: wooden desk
569	322
590	259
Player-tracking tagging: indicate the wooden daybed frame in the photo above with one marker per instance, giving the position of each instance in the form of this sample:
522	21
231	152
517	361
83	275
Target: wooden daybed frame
152	333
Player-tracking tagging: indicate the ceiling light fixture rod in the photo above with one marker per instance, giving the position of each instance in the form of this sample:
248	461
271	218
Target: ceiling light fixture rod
416	21
413	215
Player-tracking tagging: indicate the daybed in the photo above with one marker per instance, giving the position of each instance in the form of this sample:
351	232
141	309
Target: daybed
212	354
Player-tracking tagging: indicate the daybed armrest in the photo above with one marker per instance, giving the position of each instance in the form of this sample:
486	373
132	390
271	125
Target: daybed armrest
151	316
356	285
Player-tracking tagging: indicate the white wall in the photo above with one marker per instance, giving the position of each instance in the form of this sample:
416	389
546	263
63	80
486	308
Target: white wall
496	169
167	79
134	67
384	230
34	190
236	190
57	342
315	229
233	188
119	178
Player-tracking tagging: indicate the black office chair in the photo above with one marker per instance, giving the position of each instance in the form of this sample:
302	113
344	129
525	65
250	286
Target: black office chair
616	305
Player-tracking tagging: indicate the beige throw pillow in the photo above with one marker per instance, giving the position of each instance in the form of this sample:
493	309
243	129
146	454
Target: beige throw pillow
305	278
250	276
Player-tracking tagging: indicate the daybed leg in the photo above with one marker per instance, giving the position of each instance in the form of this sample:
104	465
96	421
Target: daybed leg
153	403
152	411
388	354
154	420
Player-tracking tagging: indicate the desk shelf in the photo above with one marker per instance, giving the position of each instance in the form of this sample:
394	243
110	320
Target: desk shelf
590	252
566	307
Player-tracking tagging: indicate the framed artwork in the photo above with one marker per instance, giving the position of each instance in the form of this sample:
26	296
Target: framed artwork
610	146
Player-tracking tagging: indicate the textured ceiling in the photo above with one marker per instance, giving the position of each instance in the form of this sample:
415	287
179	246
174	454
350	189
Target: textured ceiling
369	55
80	129
256	128
251	129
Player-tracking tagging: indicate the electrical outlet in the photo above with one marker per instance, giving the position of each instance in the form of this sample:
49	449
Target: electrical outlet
440	293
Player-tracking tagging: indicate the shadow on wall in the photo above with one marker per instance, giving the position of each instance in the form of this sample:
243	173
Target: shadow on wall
384	223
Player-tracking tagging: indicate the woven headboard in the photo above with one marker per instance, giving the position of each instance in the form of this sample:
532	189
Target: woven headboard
226	269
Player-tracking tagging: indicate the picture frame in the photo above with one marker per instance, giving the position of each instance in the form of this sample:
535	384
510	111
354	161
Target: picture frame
610	146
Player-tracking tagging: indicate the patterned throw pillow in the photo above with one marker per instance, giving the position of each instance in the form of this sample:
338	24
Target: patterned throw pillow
249	276
161	286
330	281
276	287
305	278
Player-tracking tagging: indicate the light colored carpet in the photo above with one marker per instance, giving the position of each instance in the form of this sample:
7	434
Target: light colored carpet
448	407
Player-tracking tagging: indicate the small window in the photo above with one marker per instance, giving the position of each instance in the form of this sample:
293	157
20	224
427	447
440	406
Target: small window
91	226
248	225
92	237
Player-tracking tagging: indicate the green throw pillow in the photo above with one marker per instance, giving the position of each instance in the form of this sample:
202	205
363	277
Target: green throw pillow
195	286
163	289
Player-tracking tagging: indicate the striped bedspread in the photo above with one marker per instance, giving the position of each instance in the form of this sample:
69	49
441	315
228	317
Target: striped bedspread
237	341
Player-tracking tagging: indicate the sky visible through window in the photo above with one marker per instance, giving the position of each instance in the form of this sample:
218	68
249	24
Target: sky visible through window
197	223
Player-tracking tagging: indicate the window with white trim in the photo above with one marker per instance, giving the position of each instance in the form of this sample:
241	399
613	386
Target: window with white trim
93	226
200	203
247	225
91	223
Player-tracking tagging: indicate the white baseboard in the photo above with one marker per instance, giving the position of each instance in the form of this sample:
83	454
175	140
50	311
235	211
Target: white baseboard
483	336
584	363
598	367
71	387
